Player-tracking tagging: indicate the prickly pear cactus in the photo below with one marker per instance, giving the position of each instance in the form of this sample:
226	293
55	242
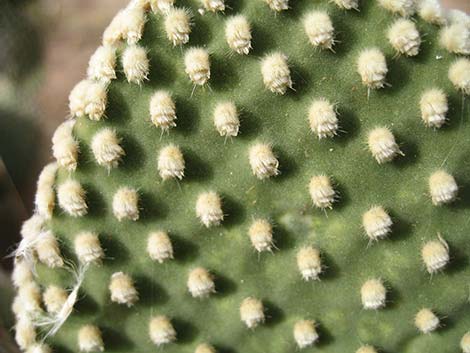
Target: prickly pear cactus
258	176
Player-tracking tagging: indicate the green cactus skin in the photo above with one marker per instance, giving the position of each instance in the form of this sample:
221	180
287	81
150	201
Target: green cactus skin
222	165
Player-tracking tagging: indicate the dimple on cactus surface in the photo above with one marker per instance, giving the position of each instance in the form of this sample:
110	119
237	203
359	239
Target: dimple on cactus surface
248	232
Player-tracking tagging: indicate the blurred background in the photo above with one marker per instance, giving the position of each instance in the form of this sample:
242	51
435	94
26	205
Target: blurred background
44	50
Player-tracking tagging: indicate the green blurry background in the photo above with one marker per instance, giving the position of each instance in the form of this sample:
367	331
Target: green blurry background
44	50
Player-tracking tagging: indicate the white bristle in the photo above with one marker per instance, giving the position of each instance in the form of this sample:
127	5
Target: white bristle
372	67
54	298
200	283
22	273
65	147
213	5
309	263
305	333
25	333
44	200
382	145
89	339
377	223
442	187
435	255
459	75
456	38
161	331
431	11
322	118
373	294
322	192
347	4
47	249
403	8
278	5
426	321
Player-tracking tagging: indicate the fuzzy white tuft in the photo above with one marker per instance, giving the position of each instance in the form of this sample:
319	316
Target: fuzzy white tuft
372	67
426	321
197	65
278	5
162	110
319	29
25	333
322	118
347	4
44	200
159	246
382	145
442	187
456	38
171	163
434	107
377	223
47	249
65	147
209	209
305	333
238	34
200	283
71	196
403	8
276	73
213	5
88	248
373	294
431	11
161	331
106	148
404	37
54	299
122	289
263	162
465	343
178	25
89	339
102	64
88	98
252	312
366	349
435	255
135	64
261	235
459	75
207	348
226	119
309	263
322	192
126	204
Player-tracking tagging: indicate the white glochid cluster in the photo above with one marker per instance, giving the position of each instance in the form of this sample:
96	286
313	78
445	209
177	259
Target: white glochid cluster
319	29
261	235
276	73
347	4
252	312
106	148
102	64
322	118
372	67
200	283
135	64
88	248
171	163
238	34
431	11
278	5
321	191
434	107
426	321
47	250
71	197
305	333
309	263
442	187
122	289
54	298
404	37
226	120
209	209
126	204
90	339
159	246
435	255
64	146
163	110
459	75
373	294
161	331
377	223
44	200
456	38
403	8
178	25
213	5
88	98
197	66
263	162
382	145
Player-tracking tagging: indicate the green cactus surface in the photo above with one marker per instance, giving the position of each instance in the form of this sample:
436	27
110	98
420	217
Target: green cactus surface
220	164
